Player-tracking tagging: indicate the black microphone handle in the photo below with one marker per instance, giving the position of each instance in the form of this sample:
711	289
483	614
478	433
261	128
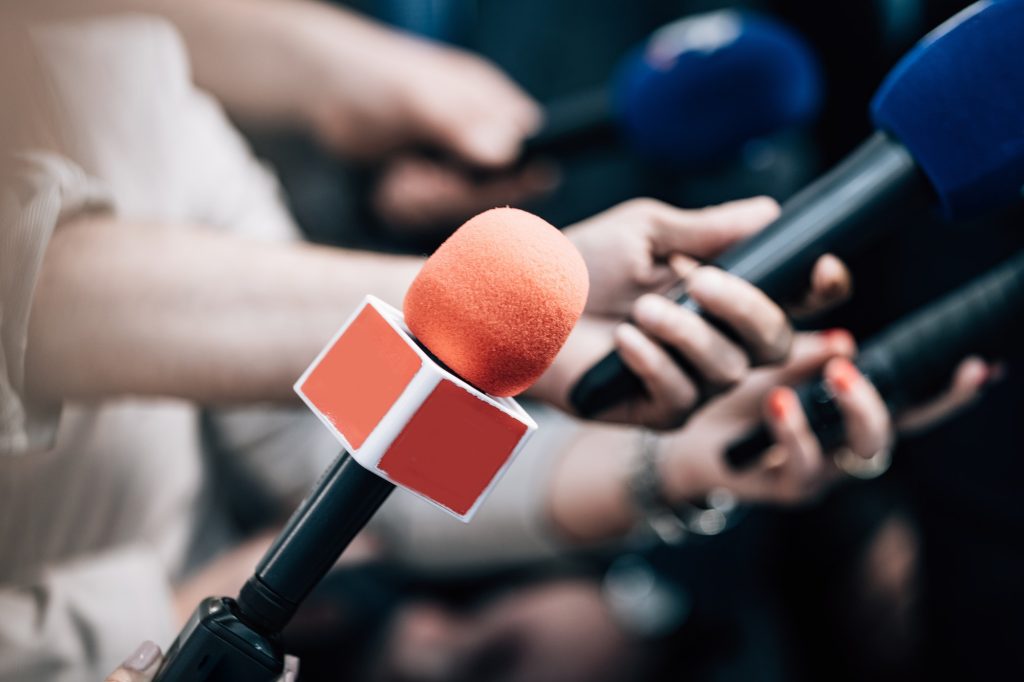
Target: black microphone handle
913	358
841	211
339	506
574	123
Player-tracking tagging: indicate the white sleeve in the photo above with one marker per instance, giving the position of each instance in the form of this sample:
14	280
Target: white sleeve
46	190
78	620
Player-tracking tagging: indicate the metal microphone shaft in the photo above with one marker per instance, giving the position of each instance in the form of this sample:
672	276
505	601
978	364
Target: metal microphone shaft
343	501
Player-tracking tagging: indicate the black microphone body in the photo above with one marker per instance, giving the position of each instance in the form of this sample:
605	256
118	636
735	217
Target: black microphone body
240	640
845	208
914	357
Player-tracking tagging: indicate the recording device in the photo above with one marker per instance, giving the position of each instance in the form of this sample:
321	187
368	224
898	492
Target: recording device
913	359
950	133
421	401
696	91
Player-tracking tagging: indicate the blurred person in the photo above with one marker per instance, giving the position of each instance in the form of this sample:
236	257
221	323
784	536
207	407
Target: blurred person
155	211
364	91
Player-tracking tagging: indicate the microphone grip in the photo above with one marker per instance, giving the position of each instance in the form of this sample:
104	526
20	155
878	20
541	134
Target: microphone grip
575	123
339	506
912	359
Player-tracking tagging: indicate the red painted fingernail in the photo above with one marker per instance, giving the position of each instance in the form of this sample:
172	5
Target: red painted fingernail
780	403
842	374
839	337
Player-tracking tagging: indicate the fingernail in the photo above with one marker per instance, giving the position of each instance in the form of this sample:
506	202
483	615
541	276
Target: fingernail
142	658
781	403
291	669
627	334
842	374
648	310
840	339
683	266
496	144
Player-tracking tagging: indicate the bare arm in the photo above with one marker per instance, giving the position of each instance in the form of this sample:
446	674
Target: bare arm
364	89
185	312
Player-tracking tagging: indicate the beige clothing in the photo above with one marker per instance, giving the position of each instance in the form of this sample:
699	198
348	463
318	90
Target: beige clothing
50	189
94	530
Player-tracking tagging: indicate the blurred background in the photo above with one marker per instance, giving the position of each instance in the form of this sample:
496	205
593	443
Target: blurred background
913	575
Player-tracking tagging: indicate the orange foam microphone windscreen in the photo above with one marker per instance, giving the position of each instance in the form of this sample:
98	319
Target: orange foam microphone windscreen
497	300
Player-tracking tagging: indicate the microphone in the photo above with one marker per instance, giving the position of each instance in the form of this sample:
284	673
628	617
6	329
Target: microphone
913	358
950	133
423	402
696	91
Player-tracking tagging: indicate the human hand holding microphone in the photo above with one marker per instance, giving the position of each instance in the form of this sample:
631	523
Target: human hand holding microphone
963	155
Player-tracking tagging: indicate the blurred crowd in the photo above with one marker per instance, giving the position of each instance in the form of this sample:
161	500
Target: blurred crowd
196	193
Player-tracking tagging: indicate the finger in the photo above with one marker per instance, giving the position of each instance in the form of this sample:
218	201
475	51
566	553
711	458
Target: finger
489	125
514	188
487	142
865	416
141	666
810	352
720	361
970	378
800	458
416	192
682	265
759	322
707	232
831	285
665	383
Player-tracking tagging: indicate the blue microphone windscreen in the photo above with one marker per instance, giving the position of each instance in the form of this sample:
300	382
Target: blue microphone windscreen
956	102
703	86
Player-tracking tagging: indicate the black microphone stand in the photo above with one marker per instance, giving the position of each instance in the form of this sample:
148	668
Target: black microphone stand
228	640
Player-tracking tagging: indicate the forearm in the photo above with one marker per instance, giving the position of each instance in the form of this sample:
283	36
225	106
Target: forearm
260	58
125	309
589	495
591	491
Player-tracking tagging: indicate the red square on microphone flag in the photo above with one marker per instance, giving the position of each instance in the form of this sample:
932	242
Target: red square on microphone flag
404	416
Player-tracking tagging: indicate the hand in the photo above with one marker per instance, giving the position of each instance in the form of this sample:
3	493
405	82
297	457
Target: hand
644	246
795	469
417	195
373	90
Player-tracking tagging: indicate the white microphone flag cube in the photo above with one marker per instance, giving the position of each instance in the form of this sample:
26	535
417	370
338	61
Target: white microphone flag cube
404	416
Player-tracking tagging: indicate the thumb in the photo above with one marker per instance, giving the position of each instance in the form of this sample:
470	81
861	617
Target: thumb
707	232
141	666
486	143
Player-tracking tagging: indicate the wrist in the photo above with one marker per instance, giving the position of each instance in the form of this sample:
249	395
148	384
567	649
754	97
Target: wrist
672	512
